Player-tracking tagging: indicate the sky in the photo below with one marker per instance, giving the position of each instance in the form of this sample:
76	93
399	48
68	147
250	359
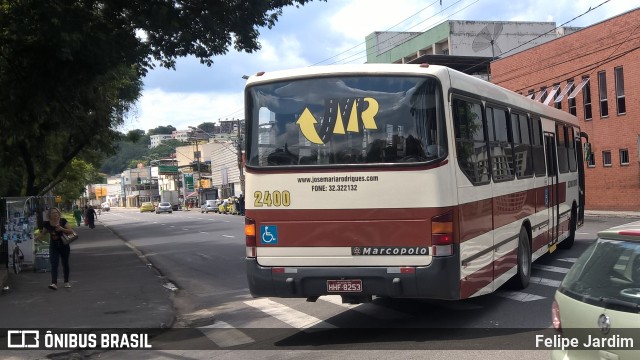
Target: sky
326	33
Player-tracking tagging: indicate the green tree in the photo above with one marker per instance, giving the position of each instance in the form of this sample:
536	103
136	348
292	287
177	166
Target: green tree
161	130
76	176
208	127
75	69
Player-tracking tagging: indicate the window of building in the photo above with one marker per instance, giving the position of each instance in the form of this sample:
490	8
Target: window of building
471	143
624	156
586	97
571	100
542	95
591	159
602	93
557	94
620	104
531	94
606	158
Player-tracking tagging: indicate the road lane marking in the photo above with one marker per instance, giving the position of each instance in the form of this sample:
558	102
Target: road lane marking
519	296
202	232
545	282
373	310
225	335
289	316
185	229
556	269
229	236
571	260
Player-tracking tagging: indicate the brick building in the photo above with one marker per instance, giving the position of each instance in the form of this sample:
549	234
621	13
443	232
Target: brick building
593	73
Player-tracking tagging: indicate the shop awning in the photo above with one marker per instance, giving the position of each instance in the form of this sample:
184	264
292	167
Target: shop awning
193	194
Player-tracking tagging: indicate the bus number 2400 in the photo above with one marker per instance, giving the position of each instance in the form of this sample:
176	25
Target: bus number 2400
272	198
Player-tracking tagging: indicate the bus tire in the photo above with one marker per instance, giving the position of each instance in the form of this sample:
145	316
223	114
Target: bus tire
523	262
568	242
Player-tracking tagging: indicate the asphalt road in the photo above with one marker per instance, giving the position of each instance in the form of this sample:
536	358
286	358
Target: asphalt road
203	255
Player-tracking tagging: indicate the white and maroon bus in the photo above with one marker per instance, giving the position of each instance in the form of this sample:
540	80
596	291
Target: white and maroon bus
402	181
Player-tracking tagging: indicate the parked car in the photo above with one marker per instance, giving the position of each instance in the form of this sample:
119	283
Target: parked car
164	207
599	297
209	205
147	206
105	206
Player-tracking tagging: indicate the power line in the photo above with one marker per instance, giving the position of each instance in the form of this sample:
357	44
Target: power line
541	35
401	33
355	46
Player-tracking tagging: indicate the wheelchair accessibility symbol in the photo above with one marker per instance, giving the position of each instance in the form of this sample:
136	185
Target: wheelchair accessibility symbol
269	234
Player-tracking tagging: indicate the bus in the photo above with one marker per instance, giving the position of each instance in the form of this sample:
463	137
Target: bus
403	181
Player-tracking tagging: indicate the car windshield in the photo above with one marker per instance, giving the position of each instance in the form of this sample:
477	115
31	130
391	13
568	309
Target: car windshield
346	120
165	204
607	274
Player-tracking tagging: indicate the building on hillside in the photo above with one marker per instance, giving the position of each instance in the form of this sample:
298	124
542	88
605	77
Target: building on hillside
231	126
182	135
591	73
159	139
467	46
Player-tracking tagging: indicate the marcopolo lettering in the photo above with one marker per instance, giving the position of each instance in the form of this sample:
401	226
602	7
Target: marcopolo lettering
389	250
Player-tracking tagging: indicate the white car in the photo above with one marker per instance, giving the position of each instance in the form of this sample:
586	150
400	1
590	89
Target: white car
596	310
164	207
209	205
105	206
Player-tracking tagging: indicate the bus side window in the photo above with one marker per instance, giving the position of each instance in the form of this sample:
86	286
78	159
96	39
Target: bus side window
471	144
522	145
500	144
537	149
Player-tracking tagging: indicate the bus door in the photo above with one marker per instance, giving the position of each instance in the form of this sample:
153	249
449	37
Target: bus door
551	189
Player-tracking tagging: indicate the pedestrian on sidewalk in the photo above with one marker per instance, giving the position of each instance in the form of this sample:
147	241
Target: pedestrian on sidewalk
56	226
77	214
91	216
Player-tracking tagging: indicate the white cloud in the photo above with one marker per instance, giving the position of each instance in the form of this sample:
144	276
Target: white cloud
331	32
159	108
284	53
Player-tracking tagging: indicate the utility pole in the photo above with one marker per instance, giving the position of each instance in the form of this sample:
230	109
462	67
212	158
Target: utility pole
197	156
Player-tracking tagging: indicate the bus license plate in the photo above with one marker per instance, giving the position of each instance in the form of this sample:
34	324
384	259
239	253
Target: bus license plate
344	285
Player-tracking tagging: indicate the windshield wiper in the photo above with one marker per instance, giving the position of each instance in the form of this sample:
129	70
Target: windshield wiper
628	305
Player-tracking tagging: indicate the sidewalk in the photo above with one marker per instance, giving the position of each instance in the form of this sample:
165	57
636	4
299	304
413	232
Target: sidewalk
111	288
604	213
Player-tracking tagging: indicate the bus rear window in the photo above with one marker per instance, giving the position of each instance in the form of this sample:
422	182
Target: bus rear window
345	120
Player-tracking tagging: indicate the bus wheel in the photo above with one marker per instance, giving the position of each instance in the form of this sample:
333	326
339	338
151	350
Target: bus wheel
568	242
521	279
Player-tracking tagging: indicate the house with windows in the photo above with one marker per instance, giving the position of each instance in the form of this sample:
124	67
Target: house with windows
591	73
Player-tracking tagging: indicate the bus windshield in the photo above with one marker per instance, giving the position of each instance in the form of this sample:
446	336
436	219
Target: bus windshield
349	120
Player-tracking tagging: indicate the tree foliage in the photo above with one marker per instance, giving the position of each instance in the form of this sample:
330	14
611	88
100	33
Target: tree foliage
71	71
161	130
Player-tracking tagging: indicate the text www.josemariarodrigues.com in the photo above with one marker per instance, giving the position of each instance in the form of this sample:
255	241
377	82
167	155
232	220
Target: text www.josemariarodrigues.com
336	179
349	180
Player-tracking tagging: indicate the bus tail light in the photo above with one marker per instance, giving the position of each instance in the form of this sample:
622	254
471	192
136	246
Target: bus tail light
442	235
250	237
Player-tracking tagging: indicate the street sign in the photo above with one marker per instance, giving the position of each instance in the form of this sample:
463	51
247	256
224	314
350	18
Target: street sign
167	169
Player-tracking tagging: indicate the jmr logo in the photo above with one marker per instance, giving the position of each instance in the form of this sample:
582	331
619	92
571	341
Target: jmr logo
23	339
355	110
